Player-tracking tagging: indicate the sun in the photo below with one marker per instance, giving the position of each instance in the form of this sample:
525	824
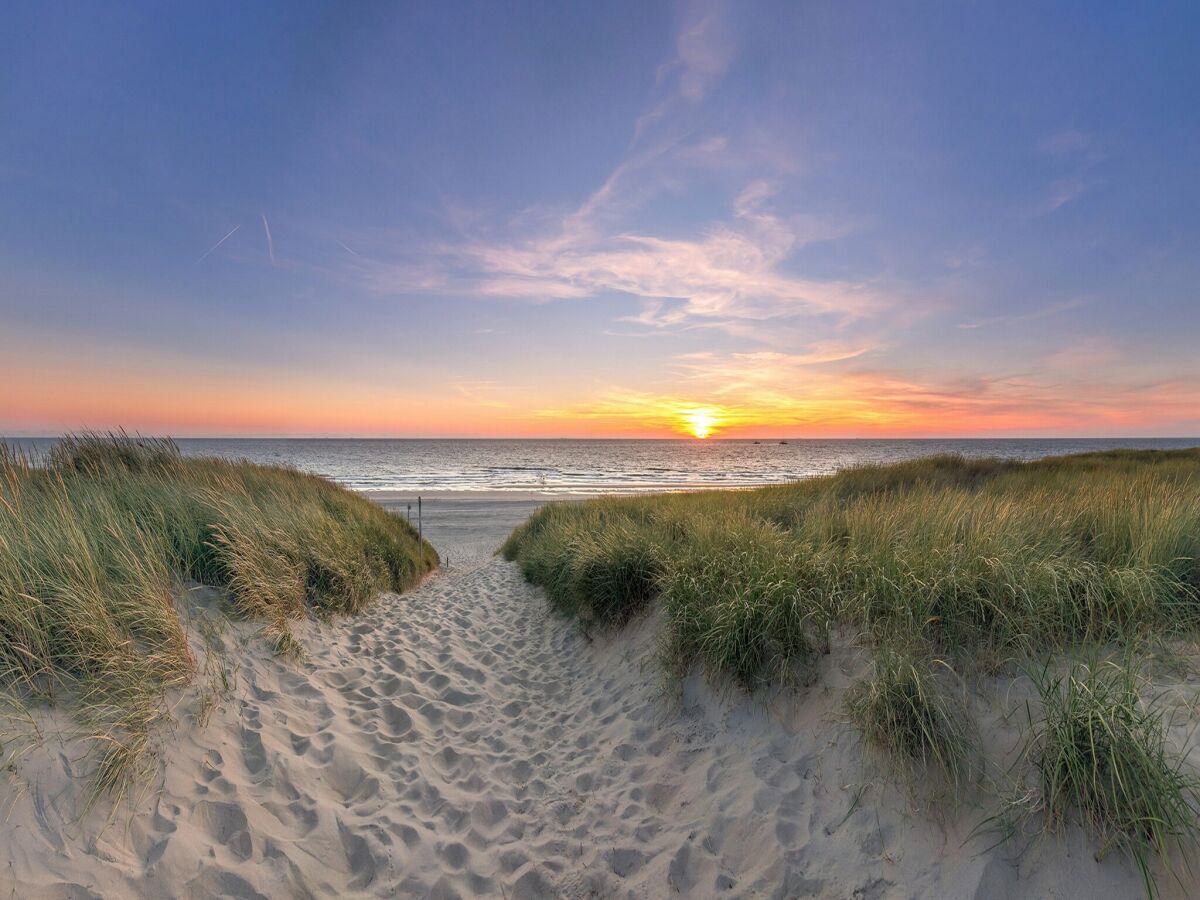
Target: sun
700	422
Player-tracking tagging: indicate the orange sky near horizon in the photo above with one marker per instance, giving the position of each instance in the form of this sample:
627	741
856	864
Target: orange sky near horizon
849	405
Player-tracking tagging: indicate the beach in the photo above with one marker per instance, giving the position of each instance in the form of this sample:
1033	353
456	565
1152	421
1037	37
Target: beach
463	740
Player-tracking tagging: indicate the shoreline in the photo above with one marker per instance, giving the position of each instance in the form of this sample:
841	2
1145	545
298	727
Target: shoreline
391	498
499	495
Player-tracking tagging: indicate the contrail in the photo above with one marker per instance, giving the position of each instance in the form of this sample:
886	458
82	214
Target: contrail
344	247
218	243
270	243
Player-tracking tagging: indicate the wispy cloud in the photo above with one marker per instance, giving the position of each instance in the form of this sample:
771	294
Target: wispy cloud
480	393
734	270
746	369
1071	142
1085	354
703	50
1076	150
737	268
1032	315
1061	192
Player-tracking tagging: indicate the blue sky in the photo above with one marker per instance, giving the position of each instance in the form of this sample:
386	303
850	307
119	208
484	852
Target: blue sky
552	219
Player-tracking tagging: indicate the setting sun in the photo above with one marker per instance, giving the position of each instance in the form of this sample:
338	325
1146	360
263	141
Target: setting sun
700	422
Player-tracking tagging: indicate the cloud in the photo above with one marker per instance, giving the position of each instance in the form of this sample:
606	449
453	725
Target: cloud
529	287
1044	312
739	370
734	270
1071	142
1060	193
625	409
703	50
1085	354
477	393
1081	152
968	257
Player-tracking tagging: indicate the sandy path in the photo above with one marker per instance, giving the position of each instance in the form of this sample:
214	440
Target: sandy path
460	741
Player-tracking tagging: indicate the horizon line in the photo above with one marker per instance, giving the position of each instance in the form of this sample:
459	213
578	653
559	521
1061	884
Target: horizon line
681	437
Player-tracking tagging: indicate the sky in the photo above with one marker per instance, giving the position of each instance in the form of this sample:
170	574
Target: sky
641	219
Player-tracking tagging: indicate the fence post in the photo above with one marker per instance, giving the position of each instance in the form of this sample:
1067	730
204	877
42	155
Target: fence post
420	531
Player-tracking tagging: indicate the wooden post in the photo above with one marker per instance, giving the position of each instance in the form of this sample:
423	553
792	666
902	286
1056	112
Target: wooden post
420	532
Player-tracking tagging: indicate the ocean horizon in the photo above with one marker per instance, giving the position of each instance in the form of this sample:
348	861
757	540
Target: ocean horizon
570	466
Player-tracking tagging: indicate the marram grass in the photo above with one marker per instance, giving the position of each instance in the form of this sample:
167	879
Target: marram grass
977	562
97	538
985	560
1102	757
904	708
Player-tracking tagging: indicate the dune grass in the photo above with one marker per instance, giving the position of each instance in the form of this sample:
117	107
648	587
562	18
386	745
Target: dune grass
977	563
903	708
1101	755
97	538
985	560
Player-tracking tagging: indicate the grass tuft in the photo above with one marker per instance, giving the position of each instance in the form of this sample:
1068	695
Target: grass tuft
905	710
284	643
603	567
1102	755
746	609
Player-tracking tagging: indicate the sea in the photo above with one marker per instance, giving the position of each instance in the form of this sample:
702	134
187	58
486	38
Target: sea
570	467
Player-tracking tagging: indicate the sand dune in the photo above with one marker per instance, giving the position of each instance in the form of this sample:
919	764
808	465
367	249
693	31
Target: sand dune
460	741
